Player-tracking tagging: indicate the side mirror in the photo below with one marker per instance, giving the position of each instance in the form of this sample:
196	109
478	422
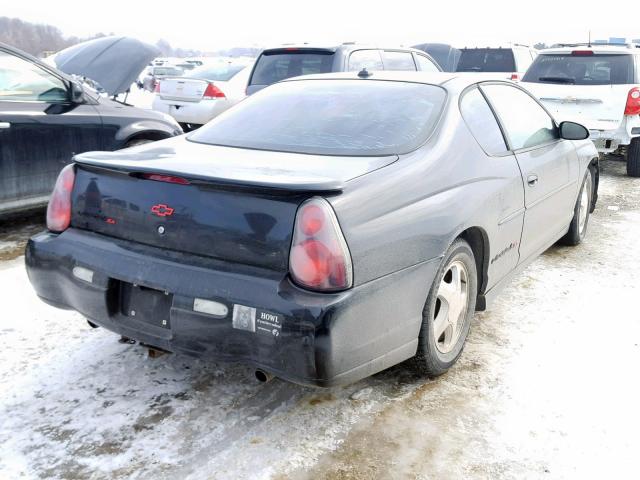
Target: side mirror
573	131
76	93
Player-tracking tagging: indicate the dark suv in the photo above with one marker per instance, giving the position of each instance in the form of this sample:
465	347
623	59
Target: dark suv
275	64
46	117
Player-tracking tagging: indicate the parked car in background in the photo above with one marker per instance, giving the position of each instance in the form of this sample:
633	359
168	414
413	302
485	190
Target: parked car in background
597	85
46	117
155	74
276	64
325	228
446	55
202	93
513	61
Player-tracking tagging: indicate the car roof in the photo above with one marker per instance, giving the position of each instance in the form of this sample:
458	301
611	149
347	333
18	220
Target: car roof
515	46
346	46
594	47
455	81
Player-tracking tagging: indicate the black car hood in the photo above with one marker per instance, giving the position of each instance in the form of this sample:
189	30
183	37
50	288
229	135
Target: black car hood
113	62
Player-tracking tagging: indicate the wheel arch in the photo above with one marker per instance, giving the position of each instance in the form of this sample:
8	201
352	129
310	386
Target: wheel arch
146	135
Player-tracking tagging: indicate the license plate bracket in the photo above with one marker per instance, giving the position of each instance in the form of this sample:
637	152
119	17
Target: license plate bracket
146	304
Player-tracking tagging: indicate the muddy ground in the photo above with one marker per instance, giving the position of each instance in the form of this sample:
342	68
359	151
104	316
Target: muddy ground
547	387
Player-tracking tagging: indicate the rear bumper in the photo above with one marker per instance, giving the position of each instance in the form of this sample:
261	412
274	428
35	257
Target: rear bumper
191	112
607	141
324	339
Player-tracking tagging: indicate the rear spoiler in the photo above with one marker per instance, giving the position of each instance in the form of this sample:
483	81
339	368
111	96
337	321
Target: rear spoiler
235	179
292	49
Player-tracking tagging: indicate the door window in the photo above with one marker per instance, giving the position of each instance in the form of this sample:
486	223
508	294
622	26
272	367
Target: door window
526	123
398	61
21	80
482	123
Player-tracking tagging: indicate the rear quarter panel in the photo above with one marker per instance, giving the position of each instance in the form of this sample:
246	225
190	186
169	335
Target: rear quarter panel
412	210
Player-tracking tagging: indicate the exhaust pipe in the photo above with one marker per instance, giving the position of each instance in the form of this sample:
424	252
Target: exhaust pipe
262	376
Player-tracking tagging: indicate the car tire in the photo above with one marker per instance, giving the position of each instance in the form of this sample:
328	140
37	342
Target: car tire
633	158
581	212
441	337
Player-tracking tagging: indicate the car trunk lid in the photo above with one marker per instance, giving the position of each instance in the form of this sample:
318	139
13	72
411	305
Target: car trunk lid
184	89
231	204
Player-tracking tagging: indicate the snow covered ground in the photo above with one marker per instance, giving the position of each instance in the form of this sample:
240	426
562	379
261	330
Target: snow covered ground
546	388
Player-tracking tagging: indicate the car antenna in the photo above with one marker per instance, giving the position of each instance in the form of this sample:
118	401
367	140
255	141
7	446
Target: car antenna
364	73
589	38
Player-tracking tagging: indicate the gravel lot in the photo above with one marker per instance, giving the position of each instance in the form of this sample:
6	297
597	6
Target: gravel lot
546	388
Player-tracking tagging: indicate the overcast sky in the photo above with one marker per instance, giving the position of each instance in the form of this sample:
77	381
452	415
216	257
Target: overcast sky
211	25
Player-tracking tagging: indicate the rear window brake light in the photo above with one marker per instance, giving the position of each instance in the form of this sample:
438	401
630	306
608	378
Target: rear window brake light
165	178
582	53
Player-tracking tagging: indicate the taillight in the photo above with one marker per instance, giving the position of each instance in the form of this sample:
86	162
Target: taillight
59	208
212	92
633	102
514	77
319	258
156	89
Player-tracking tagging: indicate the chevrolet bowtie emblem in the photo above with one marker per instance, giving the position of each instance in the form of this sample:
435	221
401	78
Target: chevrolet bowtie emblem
162	210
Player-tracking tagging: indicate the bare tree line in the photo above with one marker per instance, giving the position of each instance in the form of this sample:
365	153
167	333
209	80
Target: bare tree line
36	38
39	39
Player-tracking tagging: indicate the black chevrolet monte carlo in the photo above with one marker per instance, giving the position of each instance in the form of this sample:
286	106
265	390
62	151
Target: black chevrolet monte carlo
322	230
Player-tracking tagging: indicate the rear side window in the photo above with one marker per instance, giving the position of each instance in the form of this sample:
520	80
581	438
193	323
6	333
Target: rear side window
275	66
582	68
222	73
398	61
523	59
486	60
369	59
526	123
363	118
483	125
424	64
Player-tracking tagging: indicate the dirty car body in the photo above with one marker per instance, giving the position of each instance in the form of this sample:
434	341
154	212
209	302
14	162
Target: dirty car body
192	244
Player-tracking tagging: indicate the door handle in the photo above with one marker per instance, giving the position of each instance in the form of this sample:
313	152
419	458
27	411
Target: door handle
4	125
532	180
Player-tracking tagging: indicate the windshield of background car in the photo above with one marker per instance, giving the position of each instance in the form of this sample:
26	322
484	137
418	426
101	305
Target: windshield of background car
330	117
486	60
582	68
275	66
221	73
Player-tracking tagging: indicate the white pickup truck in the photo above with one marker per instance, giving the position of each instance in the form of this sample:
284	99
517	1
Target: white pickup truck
597	86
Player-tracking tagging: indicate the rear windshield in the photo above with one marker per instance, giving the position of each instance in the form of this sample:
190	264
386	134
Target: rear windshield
486	60
221	73
167	71
581	69
275	66
330	117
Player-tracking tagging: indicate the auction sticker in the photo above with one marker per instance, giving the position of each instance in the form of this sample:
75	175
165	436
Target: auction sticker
268	323
244	318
